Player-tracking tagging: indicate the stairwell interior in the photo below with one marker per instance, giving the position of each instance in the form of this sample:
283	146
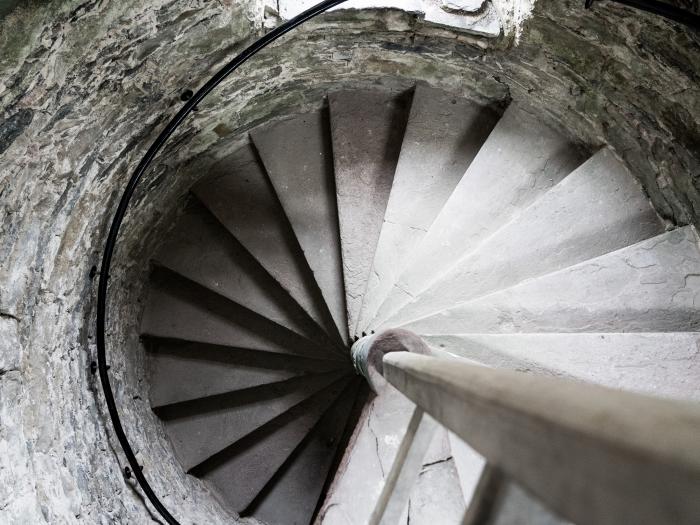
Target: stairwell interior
517	187
477	227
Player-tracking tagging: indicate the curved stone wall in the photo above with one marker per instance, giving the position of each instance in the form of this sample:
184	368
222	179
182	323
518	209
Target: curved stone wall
86	85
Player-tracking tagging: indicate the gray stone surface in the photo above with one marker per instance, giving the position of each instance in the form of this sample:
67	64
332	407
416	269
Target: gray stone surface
393	503
660	364
178	309
597	209
182	371
519	162
240	195
469	465
442	136
367	128
367	460
437	497
200	428
298	158
652	286
239	476
292	497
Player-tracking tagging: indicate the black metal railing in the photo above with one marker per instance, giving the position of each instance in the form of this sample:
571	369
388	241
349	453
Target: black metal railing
143	165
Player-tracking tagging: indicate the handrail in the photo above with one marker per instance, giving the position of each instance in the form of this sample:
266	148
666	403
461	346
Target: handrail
119	215
593	454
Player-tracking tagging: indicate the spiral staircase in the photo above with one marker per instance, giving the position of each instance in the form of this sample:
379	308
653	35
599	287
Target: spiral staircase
476	227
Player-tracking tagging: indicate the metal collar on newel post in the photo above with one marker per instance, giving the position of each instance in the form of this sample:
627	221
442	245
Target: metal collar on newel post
368	353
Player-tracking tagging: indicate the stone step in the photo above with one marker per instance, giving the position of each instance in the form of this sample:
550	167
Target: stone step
181	309
366	129
200	428
202	250
239	474
183	371
652	286
520	161
660	364
239	193
298	157
436	496
292	496
367	463
597	209
443	135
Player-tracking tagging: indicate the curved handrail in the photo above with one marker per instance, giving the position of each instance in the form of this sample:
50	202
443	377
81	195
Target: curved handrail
118	218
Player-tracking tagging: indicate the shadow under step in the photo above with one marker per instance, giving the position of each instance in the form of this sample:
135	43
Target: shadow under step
240	472
239	193
200	428
178	308
183	370
298	157
202	250
293	495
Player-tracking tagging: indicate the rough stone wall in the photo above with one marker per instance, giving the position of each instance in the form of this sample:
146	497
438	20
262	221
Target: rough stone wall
85	85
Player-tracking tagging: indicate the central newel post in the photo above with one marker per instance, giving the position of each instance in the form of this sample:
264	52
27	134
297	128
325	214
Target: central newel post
368	357
368	353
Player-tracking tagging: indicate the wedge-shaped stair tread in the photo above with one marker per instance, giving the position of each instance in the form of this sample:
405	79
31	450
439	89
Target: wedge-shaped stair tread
241	472
367	129
181	309
443	135
200	428
202	250
652	286
183	371
519	162
240	195
298	158
662	364
597	209
292	496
